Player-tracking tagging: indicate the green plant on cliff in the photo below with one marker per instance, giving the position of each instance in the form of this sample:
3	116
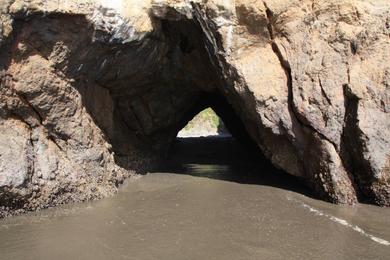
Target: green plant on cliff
206	118
206	122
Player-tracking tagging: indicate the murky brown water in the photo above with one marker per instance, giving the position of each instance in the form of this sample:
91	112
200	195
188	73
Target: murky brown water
217	210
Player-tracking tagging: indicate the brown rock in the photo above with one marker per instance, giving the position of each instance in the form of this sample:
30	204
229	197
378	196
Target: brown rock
95	91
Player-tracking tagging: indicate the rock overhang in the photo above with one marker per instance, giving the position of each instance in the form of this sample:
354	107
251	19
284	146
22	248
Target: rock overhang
135	69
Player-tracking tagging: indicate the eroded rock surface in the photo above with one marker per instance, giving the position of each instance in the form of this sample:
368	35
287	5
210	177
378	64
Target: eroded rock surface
95	91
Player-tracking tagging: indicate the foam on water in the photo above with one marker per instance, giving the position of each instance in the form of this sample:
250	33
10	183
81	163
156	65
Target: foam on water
343	222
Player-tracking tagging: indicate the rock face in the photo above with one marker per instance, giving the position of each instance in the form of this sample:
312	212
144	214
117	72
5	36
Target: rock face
92	92
206	123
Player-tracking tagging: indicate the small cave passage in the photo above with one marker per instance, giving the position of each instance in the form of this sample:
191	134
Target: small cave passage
206	148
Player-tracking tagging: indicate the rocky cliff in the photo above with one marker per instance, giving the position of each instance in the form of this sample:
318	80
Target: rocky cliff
93	91
206	123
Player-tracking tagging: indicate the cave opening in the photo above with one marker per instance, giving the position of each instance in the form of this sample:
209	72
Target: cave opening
142	95
128	102
212	142
172	78
164	99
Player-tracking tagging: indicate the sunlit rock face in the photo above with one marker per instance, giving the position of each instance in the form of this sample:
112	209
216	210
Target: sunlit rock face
95	91
205	124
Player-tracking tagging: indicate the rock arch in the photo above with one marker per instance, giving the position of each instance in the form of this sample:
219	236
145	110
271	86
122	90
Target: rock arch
94	94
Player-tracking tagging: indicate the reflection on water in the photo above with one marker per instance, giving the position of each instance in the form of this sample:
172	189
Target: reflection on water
223	158
218	209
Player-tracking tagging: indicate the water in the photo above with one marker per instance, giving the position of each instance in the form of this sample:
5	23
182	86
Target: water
225	206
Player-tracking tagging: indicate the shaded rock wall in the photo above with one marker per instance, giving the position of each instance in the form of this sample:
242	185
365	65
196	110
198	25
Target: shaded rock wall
94	91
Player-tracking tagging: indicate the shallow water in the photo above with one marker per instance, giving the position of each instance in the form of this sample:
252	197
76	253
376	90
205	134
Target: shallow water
224	206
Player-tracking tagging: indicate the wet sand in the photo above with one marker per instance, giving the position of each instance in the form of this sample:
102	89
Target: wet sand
211	201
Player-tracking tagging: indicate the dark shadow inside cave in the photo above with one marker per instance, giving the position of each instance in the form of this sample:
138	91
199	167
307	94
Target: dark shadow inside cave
234	158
